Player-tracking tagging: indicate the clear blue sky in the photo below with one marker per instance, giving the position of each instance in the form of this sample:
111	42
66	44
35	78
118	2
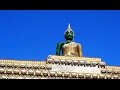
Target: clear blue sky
33	34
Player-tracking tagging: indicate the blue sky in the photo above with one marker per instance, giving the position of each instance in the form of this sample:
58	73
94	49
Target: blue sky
33	34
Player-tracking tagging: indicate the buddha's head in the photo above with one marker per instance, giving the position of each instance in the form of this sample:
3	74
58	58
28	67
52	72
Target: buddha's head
69	34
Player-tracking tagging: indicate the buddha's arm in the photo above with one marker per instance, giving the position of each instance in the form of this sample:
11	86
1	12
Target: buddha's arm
58	48
79	51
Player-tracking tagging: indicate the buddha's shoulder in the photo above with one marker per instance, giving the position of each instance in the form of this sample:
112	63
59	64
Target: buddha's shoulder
60	43
76	43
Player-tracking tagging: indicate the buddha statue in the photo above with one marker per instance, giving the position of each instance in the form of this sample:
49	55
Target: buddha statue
69	48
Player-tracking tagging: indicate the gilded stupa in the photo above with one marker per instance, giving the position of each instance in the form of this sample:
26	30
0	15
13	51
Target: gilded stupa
67	63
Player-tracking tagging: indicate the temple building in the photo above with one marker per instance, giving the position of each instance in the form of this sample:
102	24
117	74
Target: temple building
68	63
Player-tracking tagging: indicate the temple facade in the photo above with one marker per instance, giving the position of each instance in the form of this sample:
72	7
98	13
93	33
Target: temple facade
68	63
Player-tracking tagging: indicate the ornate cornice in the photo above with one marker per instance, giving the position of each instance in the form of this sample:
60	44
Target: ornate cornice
13	69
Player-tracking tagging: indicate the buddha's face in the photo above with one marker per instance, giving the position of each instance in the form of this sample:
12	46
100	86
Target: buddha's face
69	35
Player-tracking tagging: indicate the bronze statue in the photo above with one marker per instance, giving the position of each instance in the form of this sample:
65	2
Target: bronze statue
69	48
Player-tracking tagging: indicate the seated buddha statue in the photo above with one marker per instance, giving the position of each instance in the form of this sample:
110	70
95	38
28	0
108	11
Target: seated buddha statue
69	48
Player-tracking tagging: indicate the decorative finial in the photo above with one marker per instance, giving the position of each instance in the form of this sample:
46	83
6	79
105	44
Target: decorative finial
69	26
69	29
